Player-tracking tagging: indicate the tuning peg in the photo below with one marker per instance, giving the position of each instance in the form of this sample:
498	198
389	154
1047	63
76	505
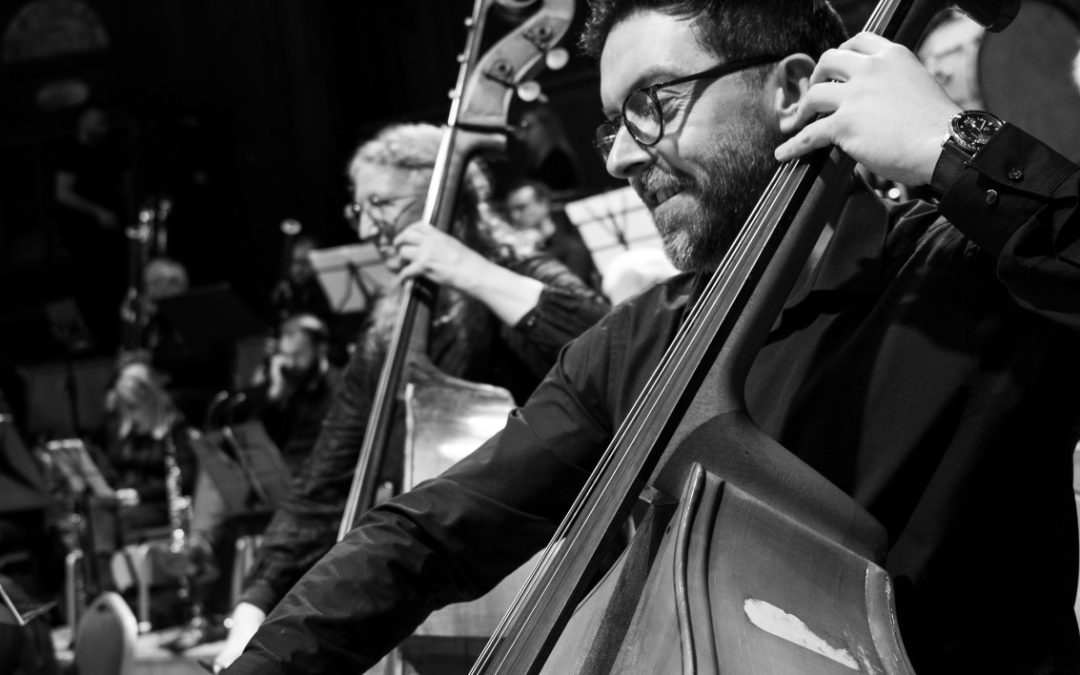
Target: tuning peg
556	58
529	91
542	37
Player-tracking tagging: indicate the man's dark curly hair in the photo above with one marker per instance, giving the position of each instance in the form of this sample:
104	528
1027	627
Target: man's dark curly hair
732	29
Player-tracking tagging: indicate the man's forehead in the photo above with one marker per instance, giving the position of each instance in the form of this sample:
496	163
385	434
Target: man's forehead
522	195
645	47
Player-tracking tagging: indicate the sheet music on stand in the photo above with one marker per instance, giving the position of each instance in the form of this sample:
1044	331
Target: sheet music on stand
78	469
352	276
613	222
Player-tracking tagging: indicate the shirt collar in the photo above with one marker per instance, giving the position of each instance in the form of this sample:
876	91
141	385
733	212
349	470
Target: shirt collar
853	256
852	259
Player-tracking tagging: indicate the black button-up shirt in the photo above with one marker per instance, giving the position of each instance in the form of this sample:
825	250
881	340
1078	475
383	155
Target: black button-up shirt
928	368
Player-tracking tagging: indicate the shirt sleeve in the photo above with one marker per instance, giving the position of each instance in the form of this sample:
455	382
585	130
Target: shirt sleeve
566	309
449	539
1017	199
305	526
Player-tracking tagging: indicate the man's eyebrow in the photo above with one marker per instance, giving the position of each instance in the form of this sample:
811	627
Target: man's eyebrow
651	75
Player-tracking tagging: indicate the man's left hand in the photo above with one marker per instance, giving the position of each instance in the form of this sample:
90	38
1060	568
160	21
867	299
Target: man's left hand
875	100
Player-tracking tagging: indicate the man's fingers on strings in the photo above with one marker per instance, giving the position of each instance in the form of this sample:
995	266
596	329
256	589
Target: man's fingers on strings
410	271
815	135
820	99
836	65
866	43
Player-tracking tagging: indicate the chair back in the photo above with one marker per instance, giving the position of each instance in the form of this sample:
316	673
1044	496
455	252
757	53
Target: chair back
105	642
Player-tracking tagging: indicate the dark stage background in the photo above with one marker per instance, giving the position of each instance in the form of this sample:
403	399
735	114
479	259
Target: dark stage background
242	112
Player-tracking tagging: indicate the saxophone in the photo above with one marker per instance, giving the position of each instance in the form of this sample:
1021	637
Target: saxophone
179	504
180	513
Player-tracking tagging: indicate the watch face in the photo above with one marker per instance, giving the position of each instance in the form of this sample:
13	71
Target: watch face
974	128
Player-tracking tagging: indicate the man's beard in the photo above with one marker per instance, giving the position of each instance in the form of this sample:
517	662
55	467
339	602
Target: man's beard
737	169
298	379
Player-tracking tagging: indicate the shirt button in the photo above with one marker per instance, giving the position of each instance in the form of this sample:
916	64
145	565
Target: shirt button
991	197
1015	174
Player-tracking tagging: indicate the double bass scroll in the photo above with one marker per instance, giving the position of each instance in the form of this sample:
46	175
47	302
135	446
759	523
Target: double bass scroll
486	84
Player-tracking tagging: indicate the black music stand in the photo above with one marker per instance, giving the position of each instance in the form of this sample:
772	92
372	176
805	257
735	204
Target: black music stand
210	315
246	468
94	499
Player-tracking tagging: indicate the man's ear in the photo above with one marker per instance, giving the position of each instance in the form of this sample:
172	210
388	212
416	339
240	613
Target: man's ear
788	83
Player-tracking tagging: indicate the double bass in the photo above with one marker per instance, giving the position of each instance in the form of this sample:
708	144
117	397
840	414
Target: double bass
446	416
746	560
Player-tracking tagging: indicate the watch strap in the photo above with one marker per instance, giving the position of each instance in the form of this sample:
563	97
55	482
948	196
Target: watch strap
951	162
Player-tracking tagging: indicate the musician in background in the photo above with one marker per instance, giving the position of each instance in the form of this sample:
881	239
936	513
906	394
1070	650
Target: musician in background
192	372
528	204
162	278
547	154
92	190
145	425
927	364
501	318
950	52
290	398
292	393
299	291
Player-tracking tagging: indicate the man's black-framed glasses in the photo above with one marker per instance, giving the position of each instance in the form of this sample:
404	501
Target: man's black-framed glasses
374	207
643	113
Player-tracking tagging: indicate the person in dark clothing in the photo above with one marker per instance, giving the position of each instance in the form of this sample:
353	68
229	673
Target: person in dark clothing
528	204
92	191
500	319
192	370
926	363
299	291
290	399
146	428
548	155
292	393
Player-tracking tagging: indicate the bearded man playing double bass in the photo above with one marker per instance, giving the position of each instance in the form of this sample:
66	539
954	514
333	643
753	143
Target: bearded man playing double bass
926	363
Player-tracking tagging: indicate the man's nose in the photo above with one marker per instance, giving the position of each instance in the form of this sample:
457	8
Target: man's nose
625	155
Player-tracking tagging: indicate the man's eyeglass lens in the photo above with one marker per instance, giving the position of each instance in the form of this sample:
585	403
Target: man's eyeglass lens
643	114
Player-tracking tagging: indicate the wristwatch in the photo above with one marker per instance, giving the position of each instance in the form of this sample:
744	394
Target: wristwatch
969	131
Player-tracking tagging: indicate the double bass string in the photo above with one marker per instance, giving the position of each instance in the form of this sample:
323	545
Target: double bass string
714	302
705	317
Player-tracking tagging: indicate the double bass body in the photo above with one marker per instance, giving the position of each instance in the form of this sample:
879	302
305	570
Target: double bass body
730	579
